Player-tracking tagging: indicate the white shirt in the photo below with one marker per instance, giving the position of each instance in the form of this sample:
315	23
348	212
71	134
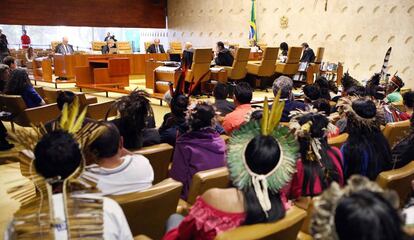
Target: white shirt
133	175
115	224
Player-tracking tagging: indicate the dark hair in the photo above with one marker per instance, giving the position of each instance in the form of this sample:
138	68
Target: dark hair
312	92
65	97
359	91
57	154
332	86
107	143
284	46
18	82
408	98
179	105
201	116
322	105
325	169
323	85
220	91
366	150
367	215
220	44
243	93
305	45
373	87
9	60
256	115
348	81
262	155
4	69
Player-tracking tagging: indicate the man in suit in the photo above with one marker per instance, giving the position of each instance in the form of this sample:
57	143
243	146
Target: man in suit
110	47
64	48
188	53
156	47
223	55
308	55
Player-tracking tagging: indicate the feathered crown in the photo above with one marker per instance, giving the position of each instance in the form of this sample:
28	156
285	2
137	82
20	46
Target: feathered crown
242	176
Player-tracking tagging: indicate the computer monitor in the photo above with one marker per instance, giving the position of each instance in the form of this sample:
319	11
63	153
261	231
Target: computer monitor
175	57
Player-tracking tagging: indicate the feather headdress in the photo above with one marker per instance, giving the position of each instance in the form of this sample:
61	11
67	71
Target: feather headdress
36	217
242	176
385	64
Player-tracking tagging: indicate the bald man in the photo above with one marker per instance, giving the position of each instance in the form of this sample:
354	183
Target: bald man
64	48
156	47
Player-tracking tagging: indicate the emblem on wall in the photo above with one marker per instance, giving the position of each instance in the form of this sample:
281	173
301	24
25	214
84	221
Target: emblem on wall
284	22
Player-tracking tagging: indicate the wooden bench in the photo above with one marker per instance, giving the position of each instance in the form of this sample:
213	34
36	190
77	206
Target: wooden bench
110	87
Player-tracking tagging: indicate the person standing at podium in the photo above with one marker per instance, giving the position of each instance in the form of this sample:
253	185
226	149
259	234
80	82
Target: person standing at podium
110	47
64	48
156	47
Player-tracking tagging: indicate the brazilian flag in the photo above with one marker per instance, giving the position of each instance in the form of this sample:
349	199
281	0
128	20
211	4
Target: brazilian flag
253	30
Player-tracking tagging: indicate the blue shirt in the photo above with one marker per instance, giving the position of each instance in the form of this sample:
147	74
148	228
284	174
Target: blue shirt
31	97
291	106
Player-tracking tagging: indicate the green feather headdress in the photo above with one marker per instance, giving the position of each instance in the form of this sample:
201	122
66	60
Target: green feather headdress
240	173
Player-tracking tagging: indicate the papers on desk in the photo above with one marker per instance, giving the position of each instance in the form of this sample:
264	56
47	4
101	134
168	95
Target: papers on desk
216	69
166	69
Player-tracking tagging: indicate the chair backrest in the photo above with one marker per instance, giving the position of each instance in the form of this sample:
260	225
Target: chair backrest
176	47
204	180
396	131
294	54
13	103
339	140
319	54
268	64
239	70
40	91
97	45
284	229
399	180
124	47
99	111
54	44
159	156
50	95
147	44
147	211
201	63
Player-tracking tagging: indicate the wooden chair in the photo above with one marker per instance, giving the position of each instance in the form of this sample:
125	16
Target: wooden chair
175	47
147	44
396	131
238	70
124	47
284	229
338	141
40	91
101	111
305	203
200	68
160	156
399	180
292	62
316	65
51	95
86	100
54	44
24	116
147	211
266	67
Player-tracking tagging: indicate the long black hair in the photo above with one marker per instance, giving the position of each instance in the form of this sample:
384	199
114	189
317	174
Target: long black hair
262	155
202	116
367	215
18	82
325	170
323	85
366	151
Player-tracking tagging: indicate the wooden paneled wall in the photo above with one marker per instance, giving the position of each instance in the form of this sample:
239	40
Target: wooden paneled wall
94	13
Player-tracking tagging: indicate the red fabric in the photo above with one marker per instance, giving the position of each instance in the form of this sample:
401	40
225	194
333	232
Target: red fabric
25	41
335	133
295	190
235	119
205	222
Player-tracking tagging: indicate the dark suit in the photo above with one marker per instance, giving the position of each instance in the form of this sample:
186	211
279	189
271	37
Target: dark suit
153	49
224	58
65	51
106	49
187	59
308	56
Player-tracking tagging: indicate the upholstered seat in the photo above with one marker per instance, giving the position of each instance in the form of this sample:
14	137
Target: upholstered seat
339	140
266	67
175	48
238	70
290	67
399	180
160	156
396	131
200	68
284	229
97	46
147	211
124	47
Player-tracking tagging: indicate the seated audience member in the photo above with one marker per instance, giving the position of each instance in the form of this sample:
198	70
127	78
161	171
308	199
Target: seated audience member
199	149
223	56
64	48
4	76
30	56
116	170
156	47
174	122
57	158
243	94
360	211
283	48
19	84
308	55
323	85
322	105
265	160
366	152
220	94
393	90
348	82
110	47
333	90
408	100
319	164
11	62
136	122
311	92
374	89
285	85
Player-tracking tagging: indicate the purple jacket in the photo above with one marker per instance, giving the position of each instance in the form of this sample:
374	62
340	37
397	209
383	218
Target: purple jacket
196	151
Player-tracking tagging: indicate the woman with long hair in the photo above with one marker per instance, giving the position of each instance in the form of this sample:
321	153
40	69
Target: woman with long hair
200	148
19	84
261	161
319	164
136	123
366	152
